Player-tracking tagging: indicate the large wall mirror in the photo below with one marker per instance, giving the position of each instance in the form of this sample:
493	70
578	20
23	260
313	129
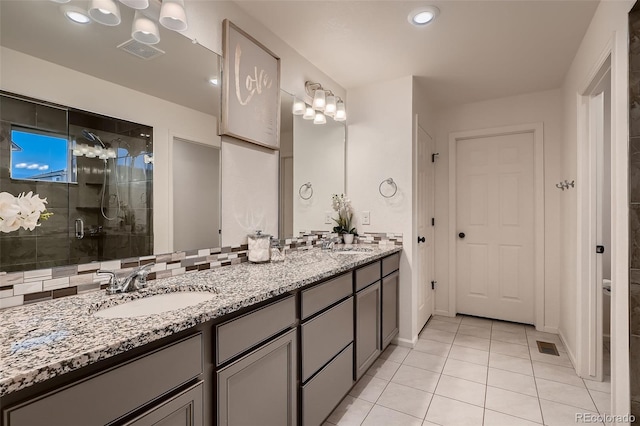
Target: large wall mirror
312	169
171	87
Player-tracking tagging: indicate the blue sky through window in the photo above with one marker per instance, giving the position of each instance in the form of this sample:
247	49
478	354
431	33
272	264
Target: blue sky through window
39	154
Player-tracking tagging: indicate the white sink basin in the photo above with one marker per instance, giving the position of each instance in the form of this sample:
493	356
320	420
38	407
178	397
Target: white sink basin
155	304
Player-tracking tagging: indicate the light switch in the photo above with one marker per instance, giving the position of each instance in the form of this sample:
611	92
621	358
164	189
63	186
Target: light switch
366	218
327	218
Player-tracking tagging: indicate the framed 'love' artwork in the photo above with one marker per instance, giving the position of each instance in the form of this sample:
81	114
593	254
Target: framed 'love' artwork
250	89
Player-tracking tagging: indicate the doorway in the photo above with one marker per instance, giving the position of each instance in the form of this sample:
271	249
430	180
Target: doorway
594	219
496	227
195	182
426	222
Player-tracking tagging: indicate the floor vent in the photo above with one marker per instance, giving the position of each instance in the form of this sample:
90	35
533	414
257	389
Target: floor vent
141	50
547	348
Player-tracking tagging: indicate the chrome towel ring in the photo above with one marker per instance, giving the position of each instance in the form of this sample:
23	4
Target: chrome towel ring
391	183
307	189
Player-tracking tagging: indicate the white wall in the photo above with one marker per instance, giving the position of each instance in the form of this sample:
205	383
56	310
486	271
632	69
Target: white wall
543	107
30	76
250	191
380	146
608	27
319	158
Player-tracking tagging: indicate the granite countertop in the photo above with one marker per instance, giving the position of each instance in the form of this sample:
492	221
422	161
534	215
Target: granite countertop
50	338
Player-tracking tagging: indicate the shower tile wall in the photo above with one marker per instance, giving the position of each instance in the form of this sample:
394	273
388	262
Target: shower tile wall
130	230
46	246
634	207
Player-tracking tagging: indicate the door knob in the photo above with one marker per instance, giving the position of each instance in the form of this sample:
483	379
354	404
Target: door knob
421	239
461	235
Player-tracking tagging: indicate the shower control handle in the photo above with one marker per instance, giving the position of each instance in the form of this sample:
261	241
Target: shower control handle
79	229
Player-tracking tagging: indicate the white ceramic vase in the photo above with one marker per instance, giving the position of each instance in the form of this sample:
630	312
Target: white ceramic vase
348	238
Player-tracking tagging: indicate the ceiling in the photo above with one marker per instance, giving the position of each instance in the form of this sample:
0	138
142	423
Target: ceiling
181	75
475	50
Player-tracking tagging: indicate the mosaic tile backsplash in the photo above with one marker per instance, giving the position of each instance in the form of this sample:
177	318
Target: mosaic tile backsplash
18	288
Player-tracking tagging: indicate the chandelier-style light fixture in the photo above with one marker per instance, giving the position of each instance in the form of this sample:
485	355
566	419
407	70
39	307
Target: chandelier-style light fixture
324	104
170	14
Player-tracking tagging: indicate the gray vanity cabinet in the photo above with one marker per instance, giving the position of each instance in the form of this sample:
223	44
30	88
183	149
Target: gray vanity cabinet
327	312
106	397
184	409
256	380
390	289
368	318
260	388
389	308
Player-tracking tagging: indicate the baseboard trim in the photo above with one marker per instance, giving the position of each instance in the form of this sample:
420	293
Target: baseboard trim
552	330
572	357
406	343
443	313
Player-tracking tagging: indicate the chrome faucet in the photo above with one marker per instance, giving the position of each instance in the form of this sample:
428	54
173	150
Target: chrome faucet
136	280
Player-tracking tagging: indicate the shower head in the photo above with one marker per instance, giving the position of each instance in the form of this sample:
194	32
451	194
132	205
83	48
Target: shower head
92	137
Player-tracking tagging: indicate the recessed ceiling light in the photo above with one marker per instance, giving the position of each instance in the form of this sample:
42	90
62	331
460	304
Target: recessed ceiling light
76	14
423	16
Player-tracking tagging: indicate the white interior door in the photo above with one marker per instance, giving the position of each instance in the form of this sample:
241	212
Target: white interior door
425	200
495	220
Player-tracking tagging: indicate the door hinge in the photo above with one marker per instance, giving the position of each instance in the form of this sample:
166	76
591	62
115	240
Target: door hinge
433	221
433	285
434	156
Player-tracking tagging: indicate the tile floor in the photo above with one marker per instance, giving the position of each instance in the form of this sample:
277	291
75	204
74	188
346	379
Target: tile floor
472	371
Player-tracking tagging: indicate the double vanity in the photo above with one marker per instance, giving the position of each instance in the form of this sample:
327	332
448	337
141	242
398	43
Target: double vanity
252	344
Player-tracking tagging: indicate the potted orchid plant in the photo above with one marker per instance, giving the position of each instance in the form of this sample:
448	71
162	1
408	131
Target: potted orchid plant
342	205
24	211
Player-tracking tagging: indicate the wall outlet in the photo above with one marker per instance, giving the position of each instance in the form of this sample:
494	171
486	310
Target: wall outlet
327	218
366	218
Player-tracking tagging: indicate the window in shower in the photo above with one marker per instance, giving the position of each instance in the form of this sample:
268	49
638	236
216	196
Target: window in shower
40	155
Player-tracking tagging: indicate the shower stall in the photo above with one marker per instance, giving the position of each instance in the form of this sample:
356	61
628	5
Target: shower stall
96	173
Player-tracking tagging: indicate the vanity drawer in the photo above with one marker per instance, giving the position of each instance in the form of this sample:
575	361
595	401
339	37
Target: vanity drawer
319	297
237	335
105	397
367	275
323	393
390	264
324	336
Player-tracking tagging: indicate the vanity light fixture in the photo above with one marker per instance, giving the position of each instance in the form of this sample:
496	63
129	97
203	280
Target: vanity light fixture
145	29
105	12
319	101
323	101
173	15
76	14
136	4
309	114
330	107
61	1
298	107
423	16
341	113
319	118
